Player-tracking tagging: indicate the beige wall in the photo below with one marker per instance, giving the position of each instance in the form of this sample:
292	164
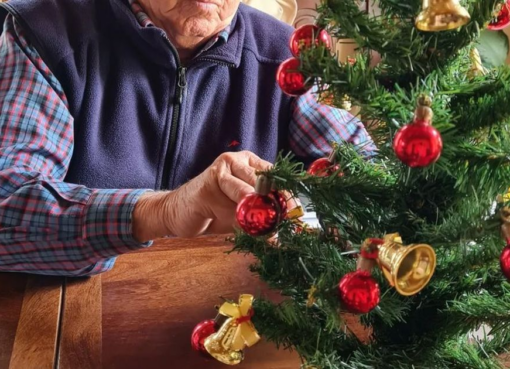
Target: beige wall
507	31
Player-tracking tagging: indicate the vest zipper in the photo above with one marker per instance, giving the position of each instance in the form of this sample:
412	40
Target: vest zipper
199	59
179	94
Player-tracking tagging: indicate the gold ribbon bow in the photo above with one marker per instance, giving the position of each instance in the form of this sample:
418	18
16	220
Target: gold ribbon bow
245	334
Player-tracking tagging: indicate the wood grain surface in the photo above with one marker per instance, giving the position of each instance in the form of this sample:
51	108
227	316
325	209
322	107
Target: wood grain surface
139	315
152	301
36	334
81	324
12	290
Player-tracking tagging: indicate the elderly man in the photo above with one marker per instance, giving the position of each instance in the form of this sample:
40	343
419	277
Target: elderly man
104	101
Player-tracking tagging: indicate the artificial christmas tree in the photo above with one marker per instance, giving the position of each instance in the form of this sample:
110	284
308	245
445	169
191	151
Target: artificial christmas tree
435	229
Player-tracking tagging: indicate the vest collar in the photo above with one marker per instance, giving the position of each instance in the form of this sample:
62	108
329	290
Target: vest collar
152	42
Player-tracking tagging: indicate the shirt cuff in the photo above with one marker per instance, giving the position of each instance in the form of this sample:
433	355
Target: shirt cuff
107	223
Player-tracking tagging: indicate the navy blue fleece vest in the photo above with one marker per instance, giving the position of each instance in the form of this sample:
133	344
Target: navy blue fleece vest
140	119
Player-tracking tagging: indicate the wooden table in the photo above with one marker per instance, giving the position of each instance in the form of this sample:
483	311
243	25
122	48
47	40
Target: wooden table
29	319
139	315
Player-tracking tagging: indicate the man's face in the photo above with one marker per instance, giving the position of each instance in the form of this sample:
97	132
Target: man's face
197	18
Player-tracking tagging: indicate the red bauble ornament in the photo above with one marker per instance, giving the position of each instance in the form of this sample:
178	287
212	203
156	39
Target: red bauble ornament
359	292
502	20
258	215
282	202
418	144
200	333
323	167
290	79
306	36
504	261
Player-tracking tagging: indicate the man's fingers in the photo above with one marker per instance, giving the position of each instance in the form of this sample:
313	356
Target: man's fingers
257	163
292	201
233	177
234	188
221	227
244	172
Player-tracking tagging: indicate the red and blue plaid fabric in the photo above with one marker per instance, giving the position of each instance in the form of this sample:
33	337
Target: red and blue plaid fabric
141	16
48	226
315	126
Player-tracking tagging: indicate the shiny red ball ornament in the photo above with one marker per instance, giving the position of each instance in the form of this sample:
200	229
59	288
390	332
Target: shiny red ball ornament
282	202
200	333
502	20
323	167
359	292
418	144
290	79
504	261
307	36
258	215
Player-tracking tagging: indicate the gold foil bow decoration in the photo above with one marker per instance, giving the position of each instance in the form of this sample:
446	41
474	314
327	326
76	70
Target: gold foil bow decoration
235	334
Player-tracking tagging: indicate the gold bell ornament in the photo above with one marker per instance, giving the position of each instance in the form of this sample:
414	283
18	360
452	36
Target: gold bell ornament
407	268
236	332
441	15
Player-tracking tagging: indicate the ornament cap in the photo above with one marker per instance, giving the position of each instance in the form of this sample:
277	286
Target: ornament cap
264	185
505	233
423	118
504	213
424	100
332	157
365	264
423	110
423	114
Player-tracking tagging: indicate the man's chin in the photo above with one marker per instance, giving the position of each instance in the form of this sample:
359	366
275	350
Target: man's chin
200	28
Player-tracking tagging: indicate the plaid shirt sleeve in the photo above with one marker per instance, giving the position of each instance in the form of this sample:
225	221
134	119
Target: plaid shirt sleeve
314	126
48	226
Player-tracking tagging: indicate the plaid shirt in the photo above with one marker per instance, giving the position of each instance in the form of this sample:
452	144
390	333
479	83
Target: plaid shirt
48	226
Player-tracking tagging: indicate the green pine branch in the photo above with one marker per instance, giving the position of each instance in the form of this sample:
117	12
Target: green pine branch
450	205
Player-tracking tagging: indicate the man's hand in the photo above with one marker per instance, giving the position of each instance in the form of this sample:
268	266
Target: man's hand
205	204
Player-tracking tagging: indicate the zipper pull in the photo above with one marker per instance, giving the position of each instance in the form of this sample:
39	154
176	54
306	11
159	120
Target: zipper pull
181	84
